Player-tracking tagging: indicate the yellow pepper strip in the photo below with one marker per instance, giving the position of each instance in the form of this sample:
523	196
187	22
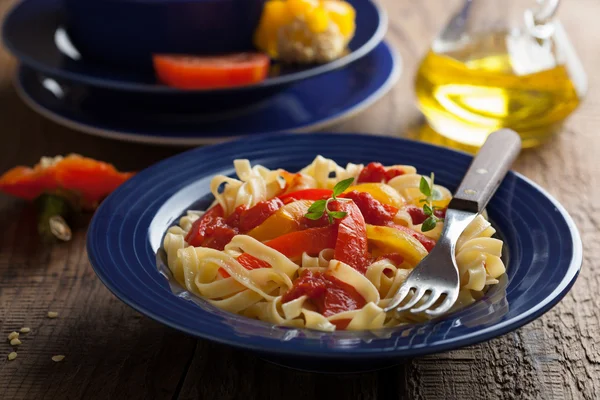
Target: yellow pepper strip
381	192
285	220
392	240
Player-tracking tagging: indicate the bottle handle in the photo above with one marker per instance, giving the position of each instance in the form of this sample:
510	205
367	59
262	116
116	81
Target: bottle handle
538	20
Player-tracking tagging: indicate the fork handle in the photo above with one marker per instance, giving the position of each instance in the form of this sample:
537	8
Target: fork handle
488	169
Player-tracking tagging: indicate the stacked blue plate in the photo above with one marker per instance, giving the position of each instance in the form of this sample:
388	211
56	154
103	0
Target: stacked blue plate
60	82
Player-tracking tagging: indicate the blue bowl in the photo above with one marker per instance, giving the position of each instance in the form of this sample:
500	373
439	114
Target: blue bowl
543	252
128	32
184	119
34	32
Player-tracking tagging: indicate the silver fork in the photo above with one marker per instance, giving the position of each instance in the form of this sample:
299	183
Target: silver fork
437	273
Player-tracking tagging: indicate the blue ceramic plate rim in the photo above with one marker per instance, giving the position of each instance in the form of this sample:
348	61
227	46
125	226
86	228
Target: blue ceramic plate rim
96	236
363	50
169	139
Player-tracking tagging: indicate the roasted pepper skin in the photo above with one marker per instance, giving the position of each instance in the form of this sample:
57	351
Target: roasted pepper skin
83	177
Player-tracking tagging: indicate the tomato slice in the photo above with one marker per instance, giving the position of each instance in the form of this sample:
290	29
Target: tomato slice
210	72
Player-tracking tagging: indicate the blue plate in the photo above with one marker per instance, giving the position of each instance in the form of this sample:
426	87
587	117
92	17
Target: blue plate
33	31
308	105
124	245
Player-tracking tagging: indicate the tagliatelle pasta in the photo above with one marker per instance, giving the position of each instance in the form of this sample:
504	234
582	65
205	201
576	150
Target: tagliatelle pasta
287	249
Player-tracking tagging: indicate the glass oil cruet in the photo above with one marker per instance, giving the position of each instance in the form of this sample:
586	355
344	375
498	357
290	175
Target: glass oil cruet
498	63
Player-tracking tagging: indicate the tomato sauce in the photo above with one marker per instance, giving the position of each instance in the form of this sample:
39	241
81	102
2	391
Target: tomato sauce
328	294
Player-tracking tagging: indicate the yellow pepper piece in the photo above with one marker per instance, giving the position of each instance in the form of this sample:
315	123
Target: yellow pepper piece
285	220
343	14
381	192
318	15
317	20
392	240
300	8
275	14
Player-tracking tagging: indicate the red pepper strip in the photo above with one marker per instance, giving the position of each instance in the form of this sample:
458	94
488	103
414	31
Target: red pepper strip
196	235
253	217
311	241
375	172
215	231
351	246
418	216
427	242
247	261
373	211
307	194
292	245
330	295
90	179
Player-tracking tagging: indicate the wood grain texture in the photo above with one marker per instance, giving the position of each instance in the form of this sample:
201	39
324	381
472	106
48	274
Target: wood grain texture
113	353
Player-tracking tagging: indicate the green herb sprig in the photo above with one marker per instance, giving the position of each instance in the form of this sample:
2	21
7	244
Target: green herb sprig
319	207
431	194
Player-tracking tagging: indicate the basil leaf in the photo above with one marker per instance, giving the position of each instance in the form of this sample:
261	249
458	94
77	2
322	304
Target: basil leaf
436	194
427	210
317	207
338	214
314	216
341	186
428	224
424	187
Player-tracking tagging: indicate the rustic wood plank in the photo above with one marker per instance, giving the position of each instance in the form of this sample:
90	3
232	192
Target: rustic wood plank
112	352
220	372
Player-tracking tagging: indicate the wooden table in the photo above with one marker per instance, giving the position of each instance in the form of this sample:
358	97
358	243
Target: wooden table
112	352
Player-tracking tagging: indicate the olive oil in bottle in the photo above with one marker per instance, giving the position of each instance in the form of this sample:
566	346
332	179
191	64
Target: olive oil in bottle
494	81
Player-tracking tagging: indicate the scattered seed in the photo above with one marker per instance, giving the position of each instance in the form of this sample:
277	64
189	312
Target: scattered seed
58	358
12	356
15	342
13	335
25	330
59	228
52	314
